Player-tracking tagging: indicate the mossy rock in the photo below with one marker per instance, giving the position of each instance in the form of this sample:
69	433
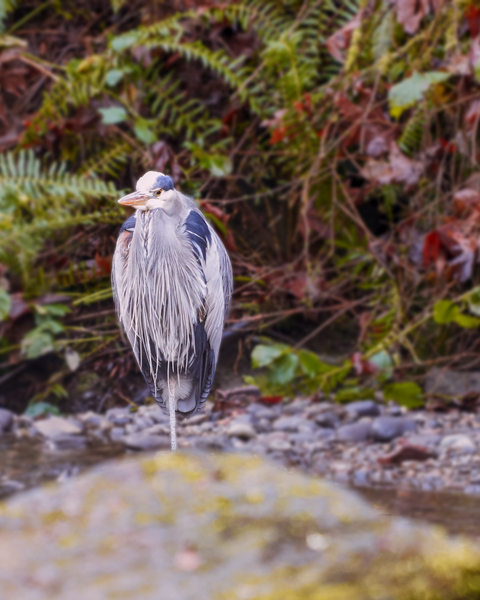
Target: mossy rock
181	527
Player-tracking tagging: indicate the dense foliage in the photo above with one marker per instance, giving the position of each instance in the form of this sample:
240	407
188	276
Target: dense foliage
333	144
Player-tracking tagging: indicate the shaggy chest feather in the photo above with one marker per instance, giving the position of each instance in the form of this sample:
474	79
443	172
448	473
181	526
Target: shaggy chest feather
166	293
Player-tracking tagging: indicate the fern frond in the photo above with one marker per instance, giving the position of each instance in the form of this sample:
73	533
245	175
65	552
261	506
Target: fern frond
173	112
412	135
23	181
109	160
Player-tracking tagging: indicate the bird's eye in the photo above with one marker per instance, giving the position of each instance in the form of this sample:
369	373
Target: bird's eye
158	193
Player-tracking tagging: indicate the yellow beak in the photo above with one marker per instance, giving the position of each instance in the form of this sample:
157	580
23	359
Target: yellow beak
134	199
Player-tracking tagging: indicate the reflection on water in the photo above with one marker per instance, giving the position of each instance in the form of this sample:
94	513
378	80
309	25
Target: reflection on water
27	462
458	513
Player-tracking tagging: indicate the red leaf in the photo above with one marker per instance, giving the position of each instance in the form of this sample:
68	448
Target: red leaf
104	264
271	399
472	14
278	135
431	247
362	366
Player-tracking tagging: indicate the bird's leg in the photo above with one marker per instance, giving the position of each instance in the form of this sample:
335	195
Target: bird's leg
171	410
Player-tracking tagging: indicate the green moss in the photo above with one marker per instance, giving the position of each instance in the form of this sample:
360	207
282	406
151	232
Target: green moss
255	533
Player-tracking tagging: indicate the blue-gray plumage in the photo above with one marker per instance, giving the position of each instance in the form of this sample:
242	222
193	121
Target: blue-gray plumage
172	282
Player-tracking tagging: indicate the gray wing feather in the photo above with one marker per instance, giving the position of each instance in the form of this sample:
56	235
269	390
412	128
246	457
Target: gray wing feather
219	280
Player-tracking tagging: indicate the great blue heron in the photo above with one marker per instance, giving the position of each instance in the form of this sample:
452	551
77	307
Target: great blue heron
172	282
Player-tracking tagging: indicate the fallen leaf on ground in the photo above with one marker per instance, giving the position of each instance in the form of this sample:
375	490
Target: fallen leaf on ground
410	13
398	169
406	451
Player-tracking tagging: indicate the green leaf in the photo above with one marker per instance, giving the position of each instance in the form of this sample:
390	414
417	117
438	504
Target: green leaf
408	92
40	409
349	394
263	355
36	343
383	361
406	393
55	310
282	371
445	311
5	304
311	364
474	302
467	321
113	115
113	77
122	42
143	132
220	165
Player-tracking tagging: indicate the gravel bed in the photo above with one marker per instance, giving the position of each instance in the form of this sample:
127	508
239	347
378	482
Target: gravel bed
363	443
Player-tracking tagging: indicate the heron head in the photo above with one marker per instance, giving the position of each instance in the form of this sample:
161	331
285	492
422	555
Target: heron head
154	190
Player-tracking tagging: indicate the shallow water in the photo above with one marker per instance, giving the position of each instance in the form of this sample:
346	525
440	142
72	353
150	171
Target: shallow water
458	513
27	462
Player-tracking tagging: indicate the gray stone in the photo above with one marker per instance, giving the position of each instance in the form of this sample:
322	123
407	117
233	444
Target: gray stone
213	443
25	421
92	419
241	430
113	413
302	438
141	441
131	428
393	409
289	423
387	428
158	415
297	406
430	440
159	429
363	408
260	411
460	443
120	420
355	432
279	445
328	419
6	419
360	477
8	486
116	433
53	427
142	423
325	434
454	384
198	419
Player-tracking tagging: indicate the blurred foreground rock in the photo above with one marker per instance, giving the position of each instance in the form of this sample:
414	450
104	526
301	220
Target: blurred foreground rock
177	526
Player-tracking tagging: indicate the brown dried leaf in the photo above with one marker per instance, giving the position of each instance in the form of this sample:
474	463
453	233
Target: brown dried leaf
339	41
410	13
474	52
464	201
406	451
398	169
